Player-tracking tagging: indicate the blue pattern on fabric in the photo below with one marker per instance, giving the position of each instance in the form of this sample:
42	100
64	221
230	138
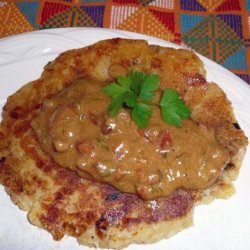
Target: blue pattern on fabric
191	5
189	21
248	5
233	21
96	13
244	77
237	60
29	9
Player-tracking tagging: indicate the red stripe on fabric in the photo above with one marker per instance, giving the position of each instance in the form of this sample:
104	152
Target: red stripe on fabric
50	9
166	18
229	5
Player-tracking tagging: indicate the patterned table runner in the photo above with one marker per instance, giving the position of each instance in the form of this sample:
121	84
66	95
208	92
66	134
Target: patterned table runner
218	29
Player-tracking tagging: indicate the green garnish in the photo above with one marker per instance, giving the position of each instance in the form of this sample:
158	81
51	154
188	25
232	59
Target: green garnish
173	109
136	91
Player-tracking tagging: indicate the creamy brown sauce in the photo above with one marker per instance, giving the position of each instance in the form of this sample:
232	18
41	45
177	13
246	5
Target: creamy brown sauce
74	129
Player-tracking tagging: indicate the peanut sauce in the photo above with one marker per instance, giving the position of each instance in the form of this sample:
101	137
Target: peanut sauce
74	128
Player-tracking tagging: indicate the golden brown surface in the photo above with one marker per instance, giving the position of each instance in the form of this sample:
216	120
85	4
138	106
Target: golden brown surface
59	200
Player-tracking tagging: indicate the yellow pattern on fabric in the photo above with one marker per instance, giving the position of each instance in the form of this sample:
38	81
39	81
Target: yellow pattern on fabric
145	22
210	5
13	21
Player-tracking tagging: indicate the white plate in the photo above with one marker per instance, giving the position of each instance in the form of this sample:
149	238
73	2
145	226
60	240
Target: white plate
224	224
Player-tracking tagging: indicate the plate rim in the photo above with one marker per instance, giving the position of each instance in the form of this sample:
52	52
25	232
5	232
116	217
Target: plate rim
130	33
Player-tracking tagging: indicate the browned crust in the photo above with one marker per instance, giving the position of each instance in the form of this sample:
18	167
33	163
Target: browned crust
60	201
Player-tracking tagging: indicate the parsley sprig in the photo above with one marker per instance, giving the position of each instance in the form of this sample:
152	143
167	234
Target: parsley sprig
136	91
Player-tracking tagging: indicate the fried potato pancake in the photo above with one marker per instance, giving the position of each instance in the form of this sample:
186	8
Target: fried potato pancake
96	214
